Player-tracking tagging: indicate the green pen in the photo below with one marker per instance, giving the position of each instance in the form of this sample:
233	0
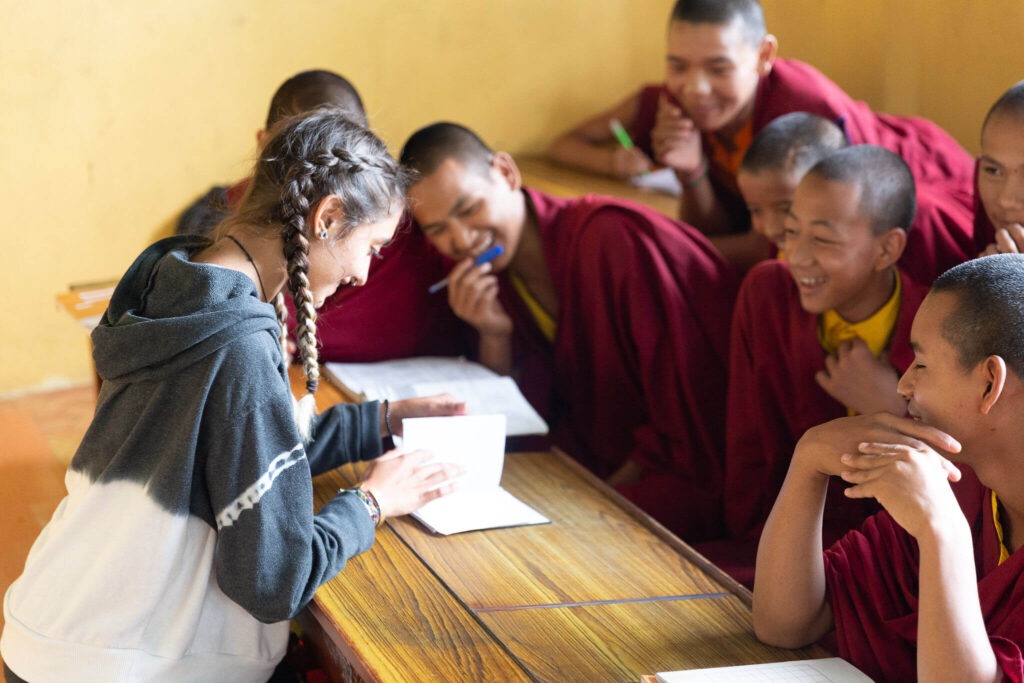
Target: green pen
619	131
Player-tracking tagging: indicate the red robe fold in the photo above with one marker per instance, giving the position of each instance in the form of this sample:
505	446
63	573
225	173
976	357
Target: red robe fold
872	582
638	367
937	161
941	236
774	399
392	315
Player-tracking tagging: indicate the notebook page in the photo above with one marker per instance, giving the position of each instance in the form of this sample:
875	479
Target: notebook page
829	670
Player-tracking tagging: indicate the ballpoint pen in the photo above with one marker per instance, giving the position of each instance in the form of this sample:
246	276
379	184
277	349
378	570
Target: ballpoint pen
486	257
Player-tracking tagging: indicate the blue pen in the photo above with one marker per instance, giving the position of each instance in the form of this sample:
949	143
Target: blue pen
486	257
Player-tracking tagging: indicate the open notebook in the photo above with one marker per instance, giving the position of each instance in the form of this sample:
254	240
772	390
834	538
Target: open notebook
484	391
828	670
477	444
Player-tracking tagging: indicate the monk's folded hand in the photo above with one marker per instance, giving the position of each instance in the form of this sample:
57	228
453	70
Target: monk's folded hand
908	478
473	296
861	382
821	448
1009	240
675	139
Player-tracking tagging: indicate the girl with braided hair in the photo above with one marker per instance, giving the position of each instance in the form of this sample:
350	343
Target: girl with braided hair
187	539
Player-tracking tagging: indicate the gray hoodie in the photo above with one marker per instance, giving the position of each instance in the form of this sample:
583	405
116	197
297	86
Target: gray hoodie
187	538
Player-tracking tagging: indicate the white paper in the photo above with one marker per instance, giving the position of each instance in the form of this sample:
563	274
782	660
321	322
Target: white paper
477	510
484	391
491	395
829	670
477	444
663	180
394	379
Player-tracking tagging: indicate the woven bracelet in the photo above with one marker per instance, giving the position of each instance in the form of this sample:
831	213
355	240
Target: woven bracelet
372	506
694	182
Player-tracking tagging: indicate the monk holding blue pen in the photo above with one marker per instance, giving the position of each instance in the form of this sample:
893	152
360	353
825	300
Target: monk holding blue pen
485	257
611	317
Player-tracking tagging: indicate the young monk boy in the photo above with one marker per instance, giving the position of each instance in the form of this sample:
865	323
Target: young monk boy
927	589
999	217
723	84
941	236
823	333
613	318
391	315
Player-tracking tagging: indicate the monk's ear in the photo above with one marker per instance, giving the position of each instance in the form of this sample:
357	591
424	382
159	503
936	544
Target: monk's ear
766	53
261	138
505	165
993	374
891	244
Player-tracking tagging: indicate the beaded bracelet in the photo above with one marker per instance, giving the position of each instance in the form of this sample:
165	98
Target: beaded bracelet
372	506
695	181
387	418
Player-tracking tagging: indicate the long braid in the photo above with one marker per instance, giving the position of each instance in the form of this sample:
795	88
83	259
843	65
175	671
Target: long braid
307	158
295	206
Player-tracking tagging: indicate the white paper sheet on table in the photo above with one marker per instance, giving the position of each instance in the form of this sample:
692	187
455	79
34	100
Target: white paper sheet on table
663	180
484	391
477	444
828	670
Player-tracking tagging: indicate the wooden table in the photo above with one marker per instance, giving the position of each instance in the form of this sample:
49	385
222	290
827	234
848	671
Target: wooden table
562	181
603	593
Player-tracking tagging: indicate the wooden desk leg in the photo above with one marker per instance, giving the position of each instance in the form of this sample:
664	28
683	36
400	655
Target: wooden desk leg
339	669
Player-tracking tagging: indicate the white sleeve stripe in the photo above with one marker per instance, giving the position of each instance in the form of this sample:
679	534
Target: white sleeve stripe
248	498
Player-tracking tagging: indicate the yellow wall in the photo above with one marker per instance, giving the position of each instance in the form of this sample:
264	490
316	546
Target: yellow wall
947	60
114	114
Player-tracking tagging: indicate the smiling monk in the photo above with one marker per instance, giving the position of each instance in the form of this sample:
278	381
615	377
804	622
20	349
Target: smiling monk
612	317
818	336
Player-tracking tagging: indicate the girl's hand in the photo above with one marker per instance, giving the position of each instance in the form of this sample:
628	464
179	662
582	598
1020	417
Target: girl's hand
427	406
406	481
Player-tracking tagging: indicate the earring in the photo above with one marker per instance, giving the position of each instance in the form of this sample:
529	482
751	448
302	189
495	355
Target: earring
323	233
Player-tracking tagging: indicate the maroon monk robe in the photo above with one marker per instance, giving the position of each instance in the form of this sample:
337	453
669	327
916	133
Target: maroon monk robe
934	157
392	315
637	368
941	236
872	583
774	399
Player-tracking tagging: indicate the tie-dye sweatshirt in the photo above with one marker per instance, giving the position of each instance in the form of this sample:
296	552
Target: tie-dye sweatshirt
187	538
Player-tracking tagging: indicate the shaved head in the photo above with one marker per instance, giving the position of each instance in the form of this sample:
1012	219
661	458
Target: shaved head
432	145
887	193
723	13
308	90
793	142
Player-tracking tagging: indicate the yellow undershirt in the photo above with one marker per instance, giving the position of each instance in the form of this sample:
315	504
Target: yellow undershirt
875	331
543	319
1004	552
